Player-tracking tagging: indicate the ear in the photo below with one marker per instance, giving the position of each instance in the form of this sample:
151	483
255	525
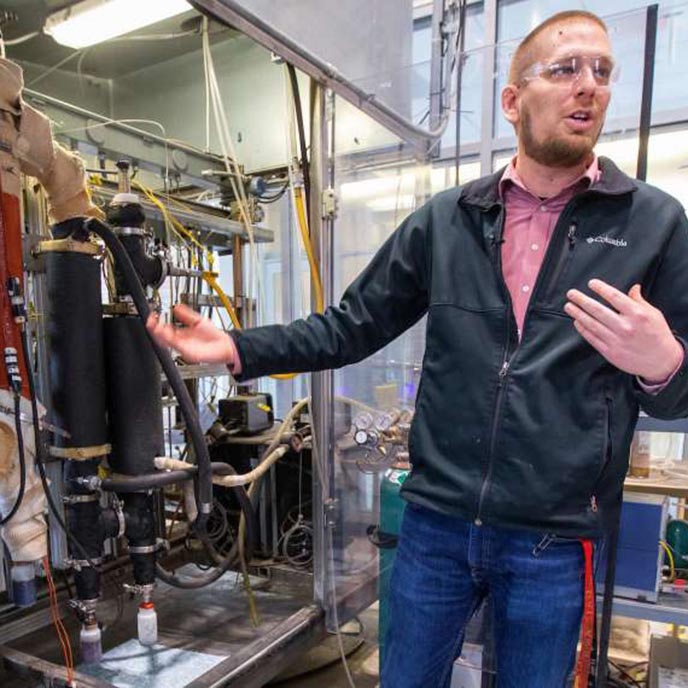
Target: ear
510	104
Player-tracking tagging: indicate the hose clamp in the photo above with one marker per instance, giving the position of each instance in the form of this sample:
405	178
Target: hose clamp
136	590
70	246
78	564
160	544
80	453
118	507
129	231
80	498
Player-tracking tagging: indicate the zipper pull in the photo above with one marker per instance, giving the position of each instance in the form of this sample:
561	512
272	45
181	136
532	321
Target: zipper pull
593	504
572	234
503	371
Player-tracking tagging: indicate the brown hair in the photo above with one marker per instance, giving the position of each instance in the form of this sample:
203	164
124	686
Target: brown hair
524	55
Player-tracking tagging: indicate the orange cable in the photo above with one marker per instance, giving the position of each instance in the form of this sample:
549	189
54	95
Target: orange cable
62	631
59	626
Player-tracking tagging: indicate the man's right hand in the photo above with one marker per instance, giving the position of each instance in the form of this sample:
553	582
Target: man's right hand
199	342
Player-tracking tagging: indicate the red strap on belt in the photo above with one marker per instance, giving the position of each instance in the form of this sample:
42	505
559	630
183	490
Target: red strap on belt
588	622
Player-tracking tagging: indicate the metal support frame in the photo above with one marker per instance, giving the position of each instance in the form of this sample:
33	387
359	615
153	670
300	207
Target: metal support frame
321	383
151	151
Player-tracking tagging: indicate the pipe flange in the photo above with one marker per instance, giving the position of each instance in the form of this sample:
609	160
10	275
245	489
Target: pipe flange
80	498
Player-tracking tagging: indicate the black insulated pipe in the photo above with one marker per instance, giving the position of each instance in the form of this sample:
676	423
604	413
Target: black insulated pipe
136	432
77	388
205	486
134	397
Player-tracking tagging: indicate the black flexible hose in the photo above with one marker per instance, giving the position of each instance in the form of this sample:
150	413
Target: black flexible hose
222	563
22	459
305	168
39	458
150	481
205	484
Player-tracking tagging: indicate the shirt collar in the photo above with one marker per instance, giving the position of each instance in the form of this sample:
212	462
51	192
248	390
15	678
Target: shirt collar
511	176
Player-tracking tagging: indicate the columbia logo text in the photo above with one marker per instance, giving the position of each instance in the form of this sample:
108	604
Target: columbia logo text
620	243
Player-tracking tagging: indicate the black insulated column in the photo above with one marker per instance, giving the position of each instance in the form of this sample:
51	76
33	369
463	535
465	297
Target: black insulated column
77	386
136	432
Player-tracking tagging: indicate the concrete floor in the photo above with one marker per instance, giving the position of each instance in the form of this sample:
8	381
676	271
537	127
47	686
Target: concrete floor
363	662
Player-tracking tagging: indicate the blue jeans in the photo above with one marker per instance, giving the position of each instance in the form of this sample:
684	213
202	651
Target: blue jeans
444	569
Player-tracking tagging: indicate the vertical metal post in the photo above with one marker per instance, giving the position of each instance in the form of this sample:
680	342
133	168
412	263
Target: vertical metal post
436	63
488	95
238	277
648	86
321	383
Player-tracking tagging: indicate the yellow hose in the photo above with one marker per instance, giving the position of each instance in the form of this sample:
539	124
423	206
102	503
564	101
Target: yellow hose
670	556
211	279
305	237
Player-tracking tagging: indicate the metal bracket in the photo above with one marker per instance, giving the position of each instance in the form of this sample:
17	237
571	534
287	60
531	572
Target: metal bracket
330	204
118	508
331	508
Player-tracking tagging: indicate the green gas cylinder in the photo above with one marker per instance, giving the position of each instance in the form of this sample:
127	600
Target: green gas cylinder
677	539
391	512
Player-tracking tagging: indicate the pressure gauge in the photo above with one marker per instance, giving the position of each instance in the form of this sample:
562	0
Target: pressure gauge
385	421
363	421
361	437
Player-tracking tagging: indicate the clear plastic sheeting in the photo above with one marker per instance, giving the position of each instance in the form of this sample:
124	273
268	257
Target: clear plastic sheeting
362	50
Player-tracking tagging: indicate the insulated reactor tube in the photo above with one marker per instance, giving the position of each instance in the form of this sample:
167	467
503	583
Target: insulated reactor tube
136	432
77	384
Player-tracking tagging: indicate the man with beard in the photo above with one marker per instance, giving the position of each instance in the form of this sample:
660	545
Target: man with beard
556	292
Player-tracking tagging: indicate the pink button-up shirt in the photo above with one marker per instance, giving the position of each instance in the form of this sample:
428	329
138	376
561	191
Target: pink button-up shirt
528	228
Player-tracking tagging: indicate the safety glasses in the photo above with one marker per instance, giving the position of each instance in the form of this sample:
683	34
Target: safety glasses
569	70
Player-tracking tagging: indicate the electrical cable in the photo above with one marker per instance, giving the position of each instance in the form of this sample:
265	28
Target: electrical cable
22	39
305	168
276	196
39	459
62	634
22	460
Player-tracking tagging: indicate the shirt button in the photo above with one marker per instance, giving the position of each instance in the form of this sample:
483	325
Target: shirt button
535	247
543	209
478	522
525	288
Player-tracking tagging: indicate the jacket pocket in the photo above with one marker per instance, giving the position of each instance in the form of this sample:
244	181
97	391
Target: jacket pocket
607	451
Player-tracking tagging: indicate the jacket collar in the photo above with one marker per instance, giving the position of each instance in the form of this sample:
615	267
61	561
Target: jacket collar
483	193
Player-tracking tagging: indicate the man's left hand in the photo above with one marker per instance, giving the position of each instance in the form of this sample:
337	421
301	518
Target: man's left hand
632	334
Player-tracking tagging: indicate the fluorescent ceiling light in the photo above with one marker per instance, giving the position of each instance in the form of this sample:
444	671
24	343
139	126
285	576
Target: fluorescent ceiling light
94	21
